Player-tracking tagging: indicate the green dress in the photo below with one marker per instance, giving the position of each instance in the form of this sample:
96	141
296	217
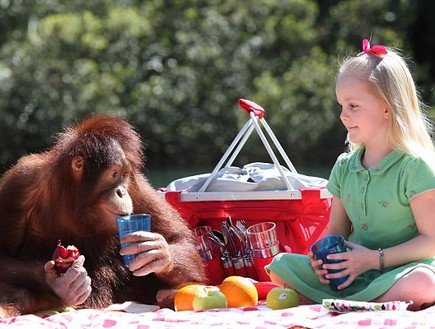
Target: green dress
377	203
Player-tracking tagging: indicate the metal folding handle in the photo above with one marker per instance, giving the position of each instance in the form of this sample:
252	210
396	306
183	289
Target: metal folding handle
256	115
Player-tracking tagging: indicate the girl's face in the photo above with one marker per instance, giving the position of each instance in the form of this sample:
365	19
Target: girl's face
363	114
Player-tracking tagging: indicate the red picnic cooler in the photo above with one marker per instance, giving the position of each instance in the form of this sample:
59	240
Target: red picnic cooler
243	217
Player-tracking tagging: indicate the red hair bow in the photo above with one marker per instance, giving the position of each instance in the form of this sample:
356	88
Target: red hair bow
375	50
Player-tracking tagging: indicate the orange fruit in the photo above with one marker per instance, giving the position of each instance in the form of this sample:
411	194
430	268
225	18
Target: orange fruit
239	291
184	297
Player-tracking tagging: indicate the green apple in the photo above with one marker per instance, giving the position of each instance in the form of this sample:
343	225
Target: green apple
208	298
279	298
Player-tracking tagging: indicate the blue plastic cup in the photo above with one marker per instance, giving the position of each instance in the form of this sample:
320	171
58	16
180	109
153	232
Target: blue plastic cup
332	244
129	224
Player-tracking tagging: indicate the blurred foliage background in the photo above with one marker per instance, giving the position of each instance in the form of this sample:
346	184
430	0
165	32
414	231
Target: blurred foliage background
176	68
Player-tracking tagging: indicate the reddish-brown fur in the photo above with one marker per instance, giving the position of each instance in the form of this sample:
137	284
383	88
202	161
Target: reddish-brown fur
42	200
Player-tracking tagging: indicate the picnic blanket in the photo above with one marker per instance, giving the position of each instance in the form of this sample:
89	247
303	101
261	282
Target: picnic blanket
260	317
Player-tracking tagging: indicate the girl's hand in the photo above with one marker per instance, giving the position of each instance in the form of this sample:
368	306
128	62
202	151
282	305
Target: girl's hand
317	265
355	262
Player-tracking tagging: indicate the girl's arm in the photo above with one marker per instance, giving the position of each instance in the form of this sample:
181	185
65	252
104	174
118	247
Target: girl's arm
422	246
339	222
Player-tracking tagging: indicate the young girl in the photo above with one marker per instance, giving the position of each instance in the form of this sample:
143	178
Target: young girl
383	192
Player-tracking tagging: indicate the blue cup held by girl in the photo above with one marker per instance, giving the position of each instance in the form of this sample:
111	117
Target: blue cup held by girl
332	244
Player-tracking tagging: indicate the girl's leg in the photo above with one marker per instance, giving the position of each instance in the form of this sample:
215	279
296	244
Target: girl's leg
302	299
418	286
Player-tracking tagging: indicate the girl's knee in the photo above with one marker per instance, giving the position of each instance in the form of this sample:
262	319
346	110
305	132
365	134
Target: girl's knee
421	277
420	287
417	286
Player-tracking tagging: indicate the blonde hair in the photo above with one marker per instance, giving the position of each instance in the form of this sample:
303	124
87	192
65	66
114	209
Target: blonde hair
388	78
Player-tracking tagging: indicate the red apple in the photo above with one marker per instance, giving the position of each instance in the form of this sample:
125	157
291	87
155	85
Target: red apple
64	257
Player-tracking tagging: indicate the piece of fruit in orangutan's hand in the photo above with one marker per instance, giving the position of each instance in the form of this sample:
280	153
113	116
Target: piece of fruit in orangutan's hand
64	257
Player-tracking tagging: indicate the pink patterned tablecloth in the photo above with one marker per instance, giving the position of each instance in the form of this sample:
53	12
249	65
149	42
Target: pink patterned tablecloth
260	317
